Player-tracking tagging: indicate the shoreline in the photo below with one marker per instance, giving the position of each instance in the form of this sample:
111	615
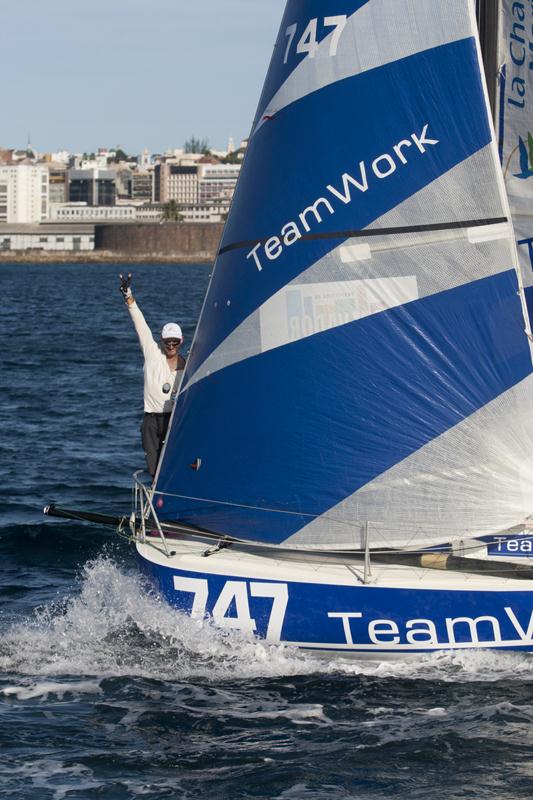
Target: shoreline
100	257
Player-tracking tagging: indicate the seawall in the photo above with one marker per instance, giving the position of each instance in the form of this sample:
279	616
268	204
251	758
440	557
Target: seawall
179	242
192	241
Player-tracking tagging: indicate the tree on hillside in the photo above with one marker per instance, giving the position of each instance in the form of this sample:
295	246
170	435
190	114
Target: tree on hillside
194	145
232	158
171	212
120	155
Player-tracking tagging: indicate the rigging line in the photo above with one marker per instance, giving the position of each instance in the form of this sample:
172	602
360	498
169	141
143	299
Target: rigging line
174	527
390	556
357	234
240	505
453	539
312	516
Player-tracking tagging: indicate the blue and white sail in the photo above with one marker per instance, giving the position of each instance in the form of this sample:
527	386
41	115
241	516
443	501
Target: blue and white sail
361	356
514	126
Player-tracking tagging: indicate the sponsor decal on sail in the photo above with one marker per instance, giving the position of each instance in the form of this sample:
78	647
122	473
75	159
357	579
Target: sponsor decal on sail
526	157
520	49
381	168
300	310
515	140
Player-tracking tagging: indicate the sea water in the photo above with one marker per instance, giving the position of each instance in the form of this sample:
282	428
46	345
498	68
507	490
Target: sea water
105	691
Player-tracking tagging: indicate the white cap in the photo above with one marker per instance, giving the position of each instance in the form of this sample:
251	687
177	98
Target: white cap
171	331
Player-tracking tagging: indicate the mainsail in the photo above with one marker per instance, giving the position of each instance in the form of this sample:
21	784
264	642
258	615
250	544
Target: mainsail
514	126
361	360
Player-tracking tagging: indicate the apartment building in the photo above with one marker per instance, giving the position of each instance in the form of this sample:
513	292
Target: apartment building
24	193
94	187
176	182
58	185
216	183
142	185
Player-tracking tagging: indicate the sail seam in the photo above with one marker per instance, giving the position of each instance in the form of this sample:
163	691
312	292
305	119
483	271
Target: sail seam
354	234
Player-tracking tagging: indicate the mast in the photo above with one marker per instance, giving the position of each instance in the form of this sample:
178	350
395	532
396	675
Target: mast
487	20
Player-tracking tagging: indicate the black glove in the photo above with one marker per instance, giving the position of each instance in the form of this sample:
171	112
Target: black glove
125	283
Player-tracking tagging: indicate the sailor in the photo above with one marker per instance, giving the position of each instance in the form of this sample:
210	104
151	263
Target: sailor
163	370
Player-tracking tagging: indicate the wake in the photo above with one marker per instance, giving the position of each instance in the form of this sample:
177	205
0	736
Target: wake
118	625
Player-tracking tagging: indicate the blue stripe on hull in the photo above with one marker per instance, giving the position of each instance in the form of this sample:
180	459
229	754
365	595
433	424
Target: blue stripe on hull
337	409
354	618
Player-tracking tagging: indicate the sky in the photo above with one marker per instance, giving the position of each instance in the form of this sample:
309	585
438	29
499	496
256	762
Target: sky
80	75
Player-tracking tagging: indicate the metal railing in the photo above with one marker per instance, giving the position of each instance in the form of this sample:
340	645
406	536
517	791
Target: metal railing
143	509
367	570
144	512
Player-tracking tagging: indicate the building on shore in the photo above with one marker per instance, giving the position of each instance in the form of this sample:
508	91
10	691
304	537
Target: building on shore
59	238
216	183
57	184
207	212
127	212
24	196
142	185
111	187
94	187
202	192
176	182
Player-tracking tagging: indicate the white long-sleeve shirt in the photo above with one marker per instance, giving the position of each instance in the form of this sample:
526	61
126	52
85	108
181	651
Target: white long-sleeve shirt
157	372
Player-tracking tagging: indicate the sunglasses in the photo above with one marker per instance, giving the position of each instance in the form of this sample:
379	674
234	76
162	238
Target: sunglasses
171	342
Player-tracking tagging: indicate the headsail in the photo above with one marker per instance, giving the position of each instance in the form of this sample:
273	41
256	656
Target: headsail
514	126
361	354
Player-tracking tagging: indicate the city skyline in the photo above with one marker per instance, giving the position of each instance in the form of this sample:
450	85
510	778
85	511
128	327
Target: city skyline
122	74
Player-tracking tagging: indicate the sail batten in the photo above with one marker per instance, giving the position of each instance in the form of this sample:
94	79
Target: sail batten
368	232
361	355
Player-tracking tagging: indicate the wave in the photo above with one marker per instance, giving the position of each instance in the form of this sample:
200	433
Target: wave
119	626
40	543
116	624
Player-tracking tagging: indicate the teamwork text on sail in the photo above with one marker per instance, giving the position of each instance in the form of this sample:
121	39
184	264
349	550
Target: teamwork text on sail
381	168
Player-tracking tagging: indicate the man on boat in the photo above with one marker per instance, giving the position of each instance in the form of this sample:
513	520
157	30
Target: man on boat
163	370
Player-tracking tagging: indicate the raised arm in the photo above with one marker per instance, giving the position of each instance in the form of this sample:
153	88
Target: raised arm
146	340
125	288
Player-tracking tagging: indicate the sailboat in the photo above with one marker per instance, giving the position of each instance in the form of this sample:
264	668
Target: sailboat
349	465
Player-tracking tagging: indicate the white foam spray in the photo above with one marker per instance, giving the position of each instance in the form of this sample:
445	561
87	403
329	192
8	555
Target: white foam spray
117	626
